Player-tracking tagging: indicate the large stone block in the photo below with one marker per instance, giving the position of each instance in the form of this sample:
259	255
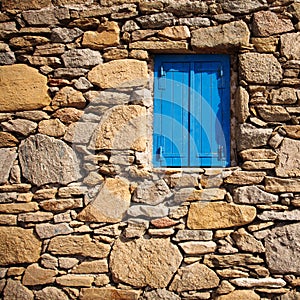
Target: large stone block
260	68
81	58
243	7
18	245
25	4
7	158
222	37
47	160
35	275
215	215
282	249
122	127
290	45
22	88
282	185
119	73
145	262
288	160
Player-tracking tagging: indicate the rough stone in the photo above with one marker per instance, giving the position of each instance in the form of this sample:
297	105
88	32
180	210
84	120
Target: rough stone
290	215
33	115
227	36
194	277
266	23
68	115
49	49
245	178
252	137
81	58
107	35
115	53
46	231
6	219
75	280
46	16
159	20
15	208
7	158
122	127
236	6
7	58
47	160
78	245
20	126
137	255
175	33
152	192
258	155
292	131
273	113
119	73
198	248
22	88
91	267
15	290
52	127
290	45
265	45
260	68
52	293
161	294
111	203
288	161
225	261
24	5
65	35
68	96
193	235
196	21
281	185
171	46
260	282
35	275
23	248
283	95
253	195
240	294
246	242
35	217
242	104
28	41
108	293
215	215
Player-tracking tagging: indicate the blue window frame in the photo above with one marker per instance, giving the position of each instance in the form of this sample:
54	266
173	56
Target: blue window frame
191	111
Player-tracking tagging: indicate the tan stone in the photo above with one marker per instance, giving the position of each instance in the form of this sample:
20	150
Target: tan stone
35	217
257	165
115	53
273	113
258	155
283	95
281	185
122	127
260	68
245	178
292	131
240	294
215	215
227	36
57	205
101	280
6	219
290	45
68	115
198	248
171	46
145	262
108	293
175	33
52	293
78	245
68	96
231	273
194	277
18	245
15	208
22	88
111	203
15	271
15	290
25	4
242	104
119	73
91	267
52	127
246	242
288	160
7	140
75	280
107	35
35	275
265	45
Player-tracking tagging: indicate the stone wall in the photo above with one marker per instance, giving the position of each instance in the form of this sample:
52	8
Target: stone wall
83	215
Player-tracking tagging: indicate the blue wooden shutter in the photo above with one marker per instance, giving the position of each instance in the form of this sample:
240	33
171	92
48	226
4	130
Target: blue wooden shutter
191	111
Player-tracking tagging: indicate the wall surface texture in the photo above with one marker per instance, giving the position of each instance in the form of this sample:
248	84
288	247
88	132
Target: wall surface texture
83	215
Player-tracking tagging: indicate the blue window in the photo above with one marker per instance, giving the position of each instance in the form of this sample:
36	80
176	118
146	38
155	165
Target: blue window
191	111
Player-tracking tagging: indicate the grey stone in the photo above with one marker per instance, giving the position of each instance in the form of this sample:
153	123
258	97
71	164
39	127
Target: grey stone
148	211
259	282
7	197
161	294
44	16
47	160
193	235
288	160
260	68
240	259
152	192
20	126
196	21
7	158
49	262
46	231
289	215
82	84
251	137
15	290
243	7
142	97
227	36
159	20
33	115
130	26
290	45
136	257
65	35
80	132
107	97
82	58
253	195
292	295
187	7
35	217
52	293
7	58
282	249
69	72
